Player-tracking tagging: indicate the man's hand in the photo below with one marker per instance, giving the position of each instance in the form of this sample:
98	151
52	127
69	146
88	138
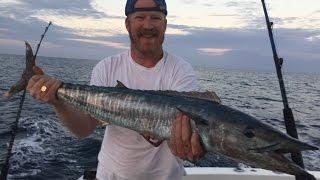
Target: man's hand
183	142
39	80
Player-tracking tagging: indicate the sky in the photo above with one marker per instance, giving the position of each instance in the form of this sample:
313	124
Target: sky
227	34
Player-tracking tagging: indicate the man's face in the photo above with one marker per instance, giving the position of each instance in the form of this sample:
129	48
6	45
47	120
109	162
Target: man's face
146	28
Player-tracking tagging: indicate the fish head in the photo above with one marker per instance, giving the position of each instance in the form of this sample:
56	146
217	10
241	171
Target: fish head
248	140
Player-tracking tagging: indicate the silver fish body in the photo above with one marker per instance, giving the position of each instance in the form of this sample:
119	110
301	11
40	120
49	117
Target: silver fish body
223	130
133	109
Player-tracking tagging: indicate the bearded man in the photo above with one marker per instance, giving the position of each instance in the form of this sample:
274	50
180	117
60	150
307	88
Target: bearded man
126	154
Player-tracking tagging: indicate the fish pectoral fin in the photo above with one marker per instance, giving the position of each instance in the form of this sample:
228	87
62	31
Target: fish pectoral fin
198	119
121	85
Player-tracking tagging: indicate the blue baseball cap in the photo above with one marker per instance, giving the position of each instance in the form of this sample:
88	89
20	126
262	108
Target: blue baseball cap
161	6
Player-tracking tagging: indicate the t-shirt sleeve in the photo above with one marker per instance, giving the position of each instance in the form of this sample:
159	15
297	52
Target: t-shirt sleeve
185	79
98	77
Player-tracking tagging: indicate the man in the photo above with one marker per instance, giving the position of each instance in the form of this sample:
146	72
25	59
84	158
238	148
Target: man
125	154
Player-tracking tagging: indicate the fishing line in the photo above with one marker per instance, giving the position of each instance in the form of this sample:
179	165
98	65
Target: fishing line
6	166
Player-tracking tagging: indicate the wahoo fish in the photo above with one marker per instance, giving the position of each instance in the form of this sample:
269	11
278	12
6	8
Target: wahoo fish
223	130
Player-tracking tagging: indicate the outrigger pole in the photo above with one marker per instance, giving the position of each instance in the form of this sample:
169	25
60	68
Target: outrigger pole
5	168
288	116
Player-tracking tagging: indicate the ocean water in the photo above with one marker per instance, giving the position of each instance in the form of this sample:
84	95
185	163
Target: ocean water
44	149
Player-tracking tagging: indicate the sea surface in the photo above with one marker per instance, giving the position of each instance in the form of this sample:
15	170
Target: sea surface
44	149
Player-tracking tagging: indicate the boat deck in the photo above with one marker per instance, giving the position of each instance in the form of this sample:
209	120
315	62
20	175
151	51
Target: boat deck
232	174
218	173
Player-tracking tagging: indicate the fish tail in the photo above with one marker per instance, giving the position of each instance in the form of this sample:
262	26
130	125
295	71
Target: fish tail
27	73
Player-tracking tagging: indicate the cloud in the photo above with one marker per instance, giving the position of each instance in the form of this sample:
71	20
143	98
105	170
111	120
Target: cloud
248	49
4	29
47	4
313	38
21	43
11	42
244	7
10	2
24	9
176	31
112	8
84	26
74	7
223	15
188	1
208	4
104	43
214	51
229	34
73	16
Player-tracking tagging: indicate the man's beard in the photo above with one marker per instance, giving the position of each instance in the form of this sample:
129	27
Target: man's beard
150	49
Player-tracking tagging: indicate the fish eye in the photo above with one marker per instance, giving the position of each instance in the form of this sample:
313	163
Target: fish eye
248	132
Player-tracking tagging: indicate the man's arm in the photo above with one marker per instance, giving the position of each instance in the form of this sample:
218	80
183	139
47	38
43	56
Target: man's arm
80	124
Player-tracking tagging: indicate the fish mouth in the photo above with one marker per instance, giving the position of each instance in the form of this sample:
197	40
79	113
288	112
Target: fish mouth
274	150
279	151
275	157
284	147
270	148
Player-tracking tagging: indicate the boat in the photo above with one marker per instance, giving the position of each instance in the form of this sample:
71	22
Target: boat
221	173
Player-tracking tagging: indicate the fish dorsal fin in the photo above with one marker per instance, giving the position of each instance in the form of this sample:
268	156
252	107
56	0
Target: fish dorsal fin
207	95
120	85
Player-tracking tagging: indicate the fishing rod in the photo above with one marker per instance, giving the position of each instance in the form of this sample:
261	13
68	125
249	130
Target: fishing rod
287	111
5	167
